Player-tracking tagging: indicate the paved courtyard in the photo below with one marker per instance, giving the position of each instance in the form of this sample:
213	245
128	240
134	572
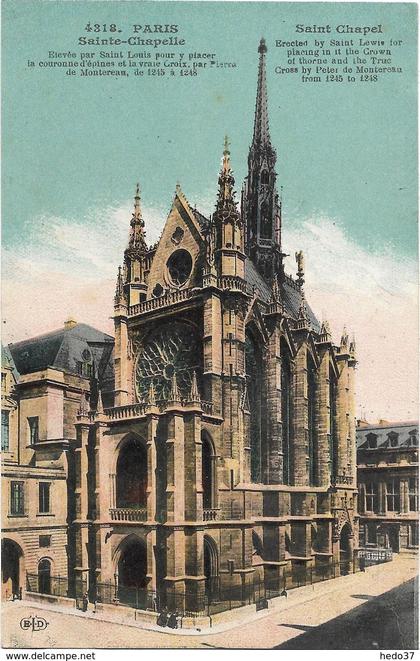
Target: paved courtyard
362	611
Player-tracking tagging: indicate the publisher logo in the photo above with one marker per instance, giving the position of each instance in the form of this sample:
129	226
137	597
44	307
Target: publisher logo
34	622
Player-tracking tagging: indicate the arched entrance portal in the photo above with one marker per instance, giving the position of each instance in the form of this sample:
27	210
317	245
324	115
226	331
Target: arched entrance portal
345	549
211	567
11	568
132	572
132	475
44	576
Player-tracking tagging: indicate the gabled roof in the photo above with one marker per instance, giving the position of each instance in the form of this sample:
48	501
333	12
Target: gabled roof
61	349
404	431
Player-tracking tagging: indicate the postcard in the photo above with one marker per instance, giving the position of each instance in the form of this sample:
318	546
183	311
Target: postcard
210	344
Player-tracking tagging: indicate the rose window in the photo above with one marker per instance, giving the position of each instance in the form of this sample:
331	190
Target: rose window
168	350
179	267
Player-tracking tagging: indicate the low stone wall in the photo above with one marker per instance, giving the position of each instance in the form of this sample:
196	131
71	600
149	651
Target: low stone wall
49	599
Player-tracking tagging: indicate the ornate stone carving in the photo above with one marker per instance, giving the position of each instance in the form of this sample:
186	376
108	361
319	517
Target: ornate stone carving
172	349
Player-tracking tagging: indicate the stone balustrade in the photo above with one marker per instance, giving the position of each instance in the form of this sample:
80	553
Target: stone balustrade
126	412
232	283
128	514
161	301
210	514
342	479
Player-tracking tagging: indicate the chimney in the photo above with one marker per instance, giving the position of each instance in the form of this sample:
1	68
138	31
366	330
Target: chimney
70	323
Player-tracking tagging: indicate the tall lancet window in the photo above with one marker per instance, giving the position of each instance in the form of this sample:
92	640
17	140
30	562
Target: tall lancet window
286	414
253	366
333	424
266	225
312	439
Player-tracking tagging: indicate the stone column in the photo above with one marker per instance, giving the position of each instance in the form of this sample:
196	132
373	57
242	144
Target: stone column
404	497
175	485
152	423
121	356
212	350
81	570
193	465
274	463
382	498
300	418
322	456
342	415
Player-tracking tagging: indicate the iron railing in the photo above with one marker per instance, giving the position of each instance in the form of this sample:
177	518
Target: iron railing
215	597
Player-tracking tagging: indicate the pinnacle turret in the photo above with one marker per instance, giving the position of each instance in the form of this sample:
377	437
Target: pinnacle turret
137	239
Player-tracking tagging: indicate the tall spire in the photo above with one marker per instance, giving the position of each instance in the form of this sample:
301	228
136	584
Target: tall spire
261	127
260	201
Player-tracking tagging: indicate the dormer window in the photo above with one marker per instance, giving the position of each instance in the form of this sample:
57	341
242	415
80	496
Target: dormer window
413	438
393	439
372	441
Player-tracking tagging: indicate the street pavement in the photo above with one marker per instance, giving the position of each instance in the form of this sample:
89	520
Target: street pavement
369	610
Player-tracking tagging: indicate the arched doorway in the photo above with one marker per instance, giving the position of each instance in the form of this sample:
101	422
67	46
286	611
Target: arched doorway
211	568
208	473
132	475
132	572
44	576
11	568
345	549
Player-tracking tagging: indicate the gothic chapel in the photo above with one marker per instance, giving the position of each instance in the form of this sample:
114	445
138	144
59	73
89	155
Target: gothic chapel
229	454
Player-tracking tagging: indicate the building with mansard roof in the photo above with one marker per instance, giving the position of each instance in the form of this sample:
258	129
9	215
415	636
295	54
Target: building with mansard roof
387	473
229	455
43	381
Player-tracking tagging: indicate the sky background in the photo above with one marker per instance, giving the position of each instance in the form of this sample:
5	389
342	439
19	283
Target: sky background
74	148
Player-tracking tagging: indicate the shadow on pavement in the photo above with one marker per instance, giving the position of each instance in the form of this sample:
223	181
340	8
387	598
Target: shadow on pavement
385	622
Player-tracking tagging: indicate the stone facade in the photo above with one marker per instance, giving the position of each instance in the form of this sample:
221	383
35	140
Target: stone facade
387	469
229	452
43	381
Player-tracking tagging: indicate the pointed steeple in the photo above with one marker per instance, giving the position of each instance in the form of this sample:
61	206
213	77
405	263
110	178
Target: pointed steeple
151	398
344	342
226	225
260	201
194	392
226	206
261	128
325	334
174	395
99	404
137	239
119	298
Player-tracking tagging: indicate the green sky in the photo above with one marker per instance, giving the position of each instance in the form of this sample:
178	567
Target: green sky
71	143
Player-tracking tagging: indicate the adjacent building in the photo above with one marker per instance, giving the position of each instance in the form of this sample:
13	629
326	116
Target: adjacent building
44	380
387	467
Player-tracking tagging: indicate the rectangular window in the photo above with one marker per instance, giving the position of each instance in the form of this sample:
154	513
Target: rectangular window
5	431
17	501
413	494
371	533
393	495
33	430
414	534
371	497
44	541
44	497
